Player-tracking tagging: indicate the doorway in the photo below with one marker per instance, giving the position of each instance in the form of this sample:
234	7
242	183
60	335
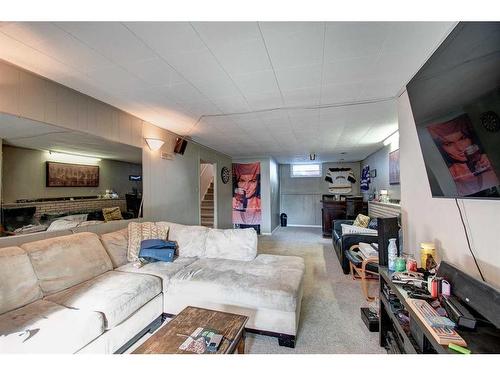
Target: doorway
208	196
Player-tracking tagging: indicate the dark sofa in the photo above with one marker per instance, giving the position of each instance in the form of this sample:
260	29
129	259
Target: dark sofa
342	243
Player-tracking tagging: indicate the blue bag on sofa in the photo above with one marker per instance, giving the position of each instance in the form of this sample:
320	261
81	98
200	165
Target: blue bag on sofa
157	250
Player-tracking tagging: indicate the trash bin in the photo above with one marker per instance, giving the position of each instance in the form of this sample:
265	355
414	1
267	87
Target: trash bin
283	219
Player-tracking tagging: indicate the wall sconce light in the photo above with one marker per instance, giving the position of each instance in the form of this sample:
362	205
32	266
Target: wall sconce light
154	144
312	156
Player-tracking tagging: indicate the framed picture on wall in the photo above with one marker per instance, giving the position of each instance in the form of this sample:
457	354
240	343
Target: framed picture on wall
394	167
71	175
373	173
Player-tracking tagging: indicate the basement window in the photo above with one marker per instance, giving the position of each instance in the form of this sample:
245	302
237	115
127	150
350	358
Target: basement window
305	170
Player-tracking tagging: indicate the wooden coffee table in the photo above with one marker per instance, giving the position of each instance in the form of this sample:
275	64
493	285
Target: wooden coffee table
168	338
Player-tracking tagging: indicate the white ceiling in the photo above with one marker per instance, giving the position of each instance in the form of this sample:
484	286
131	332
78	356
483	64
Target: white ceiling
260	88
22	132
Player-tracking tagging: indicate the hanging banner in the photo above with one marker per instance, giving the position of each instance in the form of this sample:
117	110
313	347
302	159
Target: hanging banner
246	195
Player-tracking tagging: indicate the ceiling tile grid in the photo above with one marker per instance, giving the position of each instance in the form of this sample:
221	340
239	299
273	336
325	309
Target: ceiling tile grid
265	81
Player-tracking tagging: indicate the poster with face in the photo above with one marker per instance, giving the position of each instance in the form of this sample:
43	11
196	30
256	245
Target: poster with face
246	194
464	155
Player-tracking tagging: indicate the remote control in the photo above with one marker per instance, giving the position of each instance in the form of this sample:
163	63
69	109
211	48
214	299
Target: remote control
214	343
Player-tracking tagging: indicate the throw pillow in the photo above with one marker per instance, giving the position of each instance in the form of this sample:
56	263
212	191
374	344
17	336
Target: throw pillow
361	221
352	229
373	224
143	231
112	213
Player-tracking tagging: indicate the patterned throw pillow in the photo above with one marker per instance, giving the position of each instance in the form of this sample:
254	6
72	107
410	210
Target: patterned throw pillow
373	224
361	221
112	213
143	231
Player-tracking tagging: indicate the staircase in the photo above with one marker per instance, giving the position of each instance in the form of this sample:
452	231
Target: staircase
207	207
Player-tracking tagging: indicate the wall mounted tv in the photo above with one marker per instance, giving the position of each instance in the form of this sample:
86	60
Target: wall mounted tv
455	99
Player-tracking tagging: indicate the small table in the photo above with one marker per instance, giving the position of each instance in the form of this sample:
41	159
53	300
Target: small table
168	339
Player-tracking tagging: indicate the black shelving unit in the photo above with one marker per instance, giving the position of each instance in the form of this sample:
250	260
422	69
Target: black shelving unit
485	339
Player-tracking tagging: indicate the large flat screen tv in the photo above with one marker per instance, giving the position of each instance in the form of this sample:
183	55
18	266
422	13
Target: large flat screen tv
455	100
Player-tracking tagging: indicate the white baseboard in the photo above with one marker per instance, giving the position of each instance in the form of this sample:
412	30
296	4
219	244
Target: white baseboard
304	225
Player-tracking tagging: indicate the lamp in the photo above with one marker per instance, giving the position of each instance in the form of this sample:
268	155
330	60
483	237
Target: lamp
154	144
384	195
72	158
312	156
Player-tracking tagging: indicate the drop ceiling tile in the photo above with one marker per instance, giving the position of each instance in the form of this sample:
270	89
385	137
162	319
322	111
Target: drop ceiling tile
155	72
167	38
299	77
289	47
231	104
257	82
116	79
244	57
197	65
220	33
216	87
58	44
182	93
348	71
119	44
308	96
262	101
348	40
341	93
28	58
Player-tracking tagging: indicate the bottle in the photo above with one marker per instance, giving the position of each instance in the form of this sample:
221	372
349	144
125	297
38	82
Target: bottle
392	254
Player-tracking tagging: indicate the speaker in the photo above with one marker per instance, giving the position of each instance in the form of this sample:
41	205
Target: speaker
180	146
386	228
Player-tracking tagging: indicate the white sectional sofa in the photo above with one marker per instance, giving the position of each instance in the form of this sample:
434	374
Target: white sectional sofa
79	294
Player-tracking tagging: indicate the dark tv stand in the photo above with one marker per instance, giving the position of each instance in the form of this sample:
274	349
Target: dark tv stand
485	339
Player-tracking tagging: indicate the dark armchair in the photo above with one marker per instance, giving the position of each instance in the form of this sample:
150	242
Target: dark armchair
342	243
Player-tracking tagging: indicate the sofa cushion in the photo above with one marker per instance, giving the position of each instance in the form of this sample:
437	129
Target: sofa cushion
18	282
45	327
117	295
61	262
236	244
268	281
191	239
116	244
163	270
143	231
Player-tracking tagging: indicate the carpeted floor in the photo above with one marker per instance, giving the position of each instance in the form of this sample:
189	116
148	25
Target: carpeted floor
330	319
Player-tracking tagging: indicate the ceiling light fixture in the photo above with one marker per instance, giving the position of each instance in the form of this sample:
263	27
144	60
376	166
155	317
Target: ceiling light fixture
312	156
71	158
154	144
393	138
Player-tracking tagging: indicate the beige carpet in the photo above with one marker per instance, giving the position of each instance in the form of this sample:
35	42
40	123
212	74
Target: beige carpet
330	319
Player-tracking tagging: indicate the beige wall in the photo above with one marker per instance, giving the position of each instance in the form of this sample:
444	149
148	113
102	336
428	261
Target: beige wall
437	219
172	190
24	177
379	160
170	186
300	196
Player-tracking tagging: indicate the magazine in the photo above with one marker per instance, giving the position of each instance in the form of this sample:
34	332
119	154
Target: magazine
198	341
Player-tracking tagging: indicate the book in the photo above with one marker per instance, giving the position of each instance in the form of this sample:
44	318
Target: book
198	341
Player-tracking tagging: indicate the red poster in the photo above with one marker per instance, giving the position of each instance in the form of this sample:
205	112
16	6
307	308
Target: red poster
246	194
